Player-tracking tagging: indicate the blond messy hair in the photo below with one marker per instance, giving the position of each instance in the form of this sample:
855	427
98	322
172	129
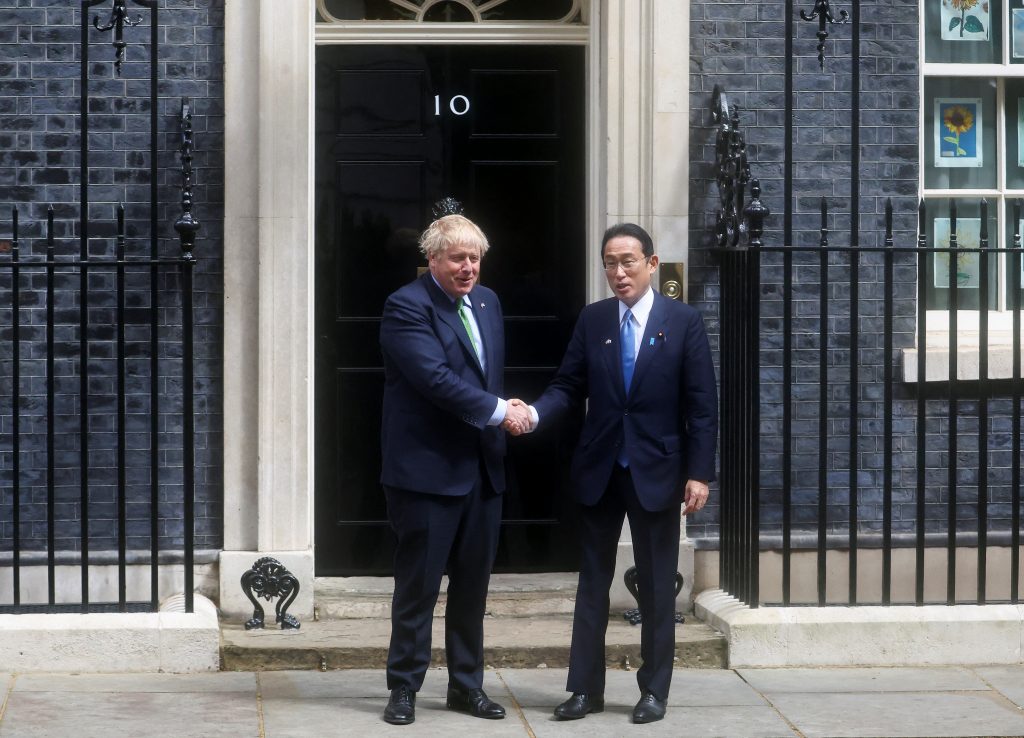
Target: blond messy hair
450	231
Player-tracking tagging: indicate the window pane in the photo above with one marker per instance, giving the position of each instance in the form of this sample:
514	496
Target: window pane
372	10
959	133
1014	152
1017	31
968	31
514	10
1014	262
968	264
448	12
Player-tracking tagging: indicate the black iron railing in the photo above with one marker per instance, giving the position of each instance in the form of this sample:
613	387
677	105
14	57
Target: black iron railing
837	442
132	286
959	453
145	283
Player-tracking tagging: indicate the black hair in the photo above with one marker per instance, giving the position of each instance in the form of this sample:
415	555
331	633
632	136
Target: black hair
633	231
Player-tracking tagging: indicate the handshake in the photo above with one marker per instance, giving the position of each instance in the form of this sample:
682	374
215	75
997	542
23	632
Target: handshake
519	417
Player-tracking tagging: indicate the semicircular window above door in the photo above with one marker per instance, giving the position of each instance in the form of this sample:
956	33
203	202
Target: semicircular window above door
452	11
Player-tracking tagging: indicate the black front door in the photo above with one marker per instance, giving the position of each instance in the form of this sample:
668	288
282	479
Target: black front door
501	129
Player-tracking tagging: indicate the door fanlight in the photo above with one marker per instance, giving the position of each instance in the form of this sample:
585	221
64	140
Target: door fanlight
480	11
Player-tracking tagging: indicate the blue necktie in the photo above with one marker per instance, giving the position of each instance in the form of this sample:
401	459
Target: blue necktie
628	346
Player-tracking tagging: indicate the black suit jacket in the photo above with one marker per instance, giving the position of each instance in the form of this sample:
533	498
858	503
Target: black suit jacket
437	398
668	420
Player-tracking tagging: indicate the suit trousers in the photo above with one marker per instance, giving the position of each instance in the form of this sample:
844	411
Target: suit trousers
656	553
439	533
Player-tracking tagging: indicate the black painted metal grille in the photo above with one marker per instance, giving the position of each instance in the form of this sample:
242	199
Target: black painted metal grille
959	446
97	370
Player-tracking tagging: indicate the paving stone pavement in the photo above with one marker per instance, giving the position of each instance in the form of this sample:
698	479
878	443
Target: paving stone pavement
746	703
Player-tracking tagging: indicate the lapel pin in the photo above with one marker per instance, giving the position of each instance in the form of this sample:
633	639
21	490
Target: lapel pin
652	341
482	305
661	335
607	341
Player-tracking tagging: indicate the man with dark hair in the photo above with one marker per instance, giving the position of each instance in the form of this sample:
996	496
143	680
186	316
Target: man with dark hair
643	363
443	463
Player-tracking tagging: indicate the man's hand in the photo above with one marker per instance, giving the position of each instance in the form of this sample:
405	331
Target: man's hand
695	497
517	417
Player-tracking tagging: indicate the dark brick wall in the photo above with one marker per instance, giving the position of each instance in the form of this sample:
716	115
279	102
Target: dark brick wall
741	46
39	166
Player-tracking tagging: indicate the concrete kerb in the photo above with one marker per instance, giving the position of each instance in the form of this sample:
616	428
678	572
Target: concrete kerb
167	641
864	636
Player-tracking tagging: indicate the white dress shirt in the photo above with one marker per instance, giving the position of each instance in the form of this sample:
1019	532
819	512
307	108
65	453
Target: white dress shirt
641	312
499	410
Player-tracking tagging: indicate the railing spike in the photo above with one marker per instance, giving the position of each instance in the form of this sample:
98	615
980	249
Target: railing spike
755	212
1016	222
922	224
952	226
888	222
823	240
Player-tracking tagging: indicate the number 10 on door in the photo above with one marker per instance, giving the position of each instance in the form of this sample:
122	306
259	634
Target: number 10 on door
459	105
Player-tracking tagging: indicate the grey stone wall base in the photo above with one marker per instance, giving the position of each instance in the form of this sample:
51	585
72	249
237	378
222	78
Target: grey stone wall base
864	636
167	641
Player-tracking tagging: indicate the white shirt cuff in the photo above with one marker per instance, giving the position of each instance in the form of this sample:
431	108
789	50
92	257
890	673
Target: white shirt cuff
499	413
534	419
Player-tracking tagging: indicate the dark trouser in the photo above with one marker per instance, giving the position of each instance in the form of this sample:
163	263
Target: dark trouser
439	533
656	553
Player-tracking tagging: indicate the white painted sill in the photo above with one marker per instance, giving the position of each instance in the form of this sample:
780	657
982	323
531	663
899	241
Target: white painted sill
968	347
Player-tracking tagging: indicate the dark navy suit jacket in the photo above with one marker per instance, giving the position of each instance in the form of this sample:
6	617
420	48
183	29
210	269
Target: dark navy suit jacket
437	398
668	421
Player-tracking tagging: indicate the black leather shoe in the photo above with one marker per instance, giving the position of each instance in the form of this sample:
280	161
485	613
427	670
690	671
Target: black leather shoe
649	709
401	709
578	706
475	702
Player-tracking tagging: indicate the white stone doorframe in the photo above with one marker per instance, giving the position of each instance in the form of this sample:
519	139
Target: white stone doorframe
638	147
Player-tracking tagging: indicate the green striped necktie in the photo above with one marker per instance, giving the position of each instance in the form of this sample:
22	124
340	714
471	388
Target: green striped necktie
465	323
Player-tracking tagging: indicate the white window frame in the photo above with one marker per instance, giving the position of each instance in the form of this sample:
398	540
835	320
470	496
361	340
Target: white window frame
1000	320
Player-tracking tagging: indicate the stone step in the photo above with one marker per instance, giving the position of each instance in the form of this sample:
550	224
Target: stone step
509	595
510	642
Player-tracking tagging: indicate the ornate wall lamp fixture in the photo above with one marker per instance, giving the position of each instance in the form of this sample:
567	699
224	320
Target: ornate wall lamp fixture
823	12
118	20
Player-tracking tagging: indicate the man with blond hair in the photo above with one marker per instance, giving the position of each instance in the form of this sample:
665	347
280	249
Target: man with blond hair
443	469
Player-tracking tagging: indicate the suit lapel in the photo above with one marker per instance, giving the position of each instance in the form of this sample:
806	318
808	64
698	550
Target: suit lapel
448	311
612	347
651	343
486	326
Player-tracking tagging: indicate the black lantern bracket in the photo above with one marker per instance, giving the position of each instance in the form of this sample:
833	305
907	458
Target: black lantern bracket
633	616
823	12
268	578
119	18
